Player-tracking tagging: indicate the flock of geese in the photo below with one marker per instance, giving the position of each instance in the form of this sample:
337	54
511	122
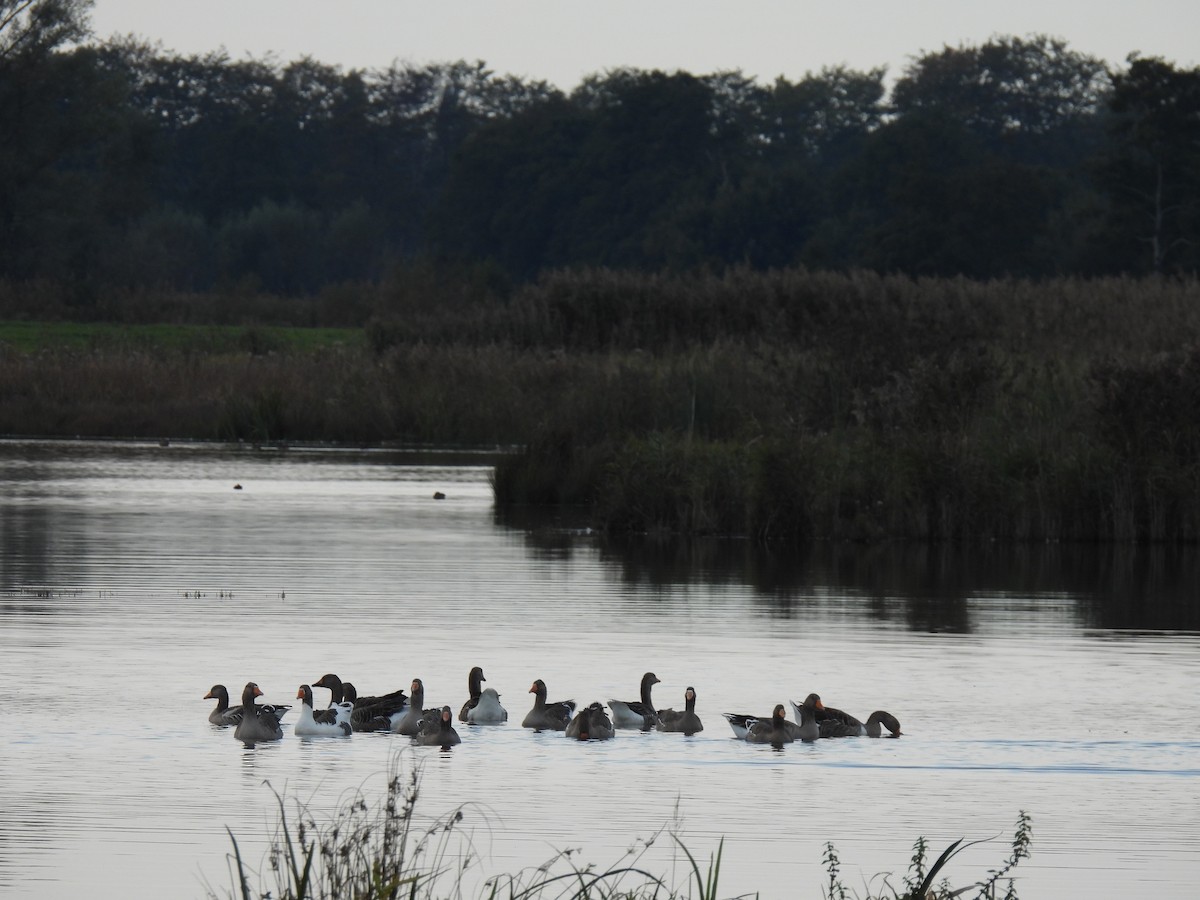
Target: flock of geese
406	714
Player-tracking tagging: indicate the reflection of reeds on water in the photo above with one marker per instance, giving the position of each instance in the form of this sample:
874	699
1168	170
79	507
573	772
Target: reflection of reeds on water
374	850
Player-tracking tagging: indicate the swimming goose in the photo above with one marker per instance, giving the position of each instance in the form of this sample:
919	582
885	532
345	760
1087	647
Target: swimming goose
591	724
410	723
687	721
364	720
488	710
881	719
332	722
259	723
636	713
808	716
474	688
873	727
437	730
740	723
771	731
547	716
834	722
224	714
367	710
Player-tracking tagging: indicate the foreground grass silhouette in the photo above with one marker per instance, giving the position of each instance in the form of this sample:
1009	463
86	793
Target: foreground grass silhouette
371	851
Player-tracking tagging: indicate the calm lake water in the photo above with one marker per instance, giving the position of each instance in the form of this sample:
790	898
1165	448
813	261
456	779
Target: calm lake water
1061	681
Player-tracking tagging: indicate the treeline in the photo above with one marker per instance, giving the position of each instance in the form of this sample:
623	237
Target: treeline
127	170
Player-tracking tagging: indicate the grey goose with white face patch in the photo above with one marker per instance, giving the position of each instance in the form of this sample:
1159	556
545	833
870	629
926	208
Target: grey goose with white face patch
686	721
259	723
224	714
410	723
438	730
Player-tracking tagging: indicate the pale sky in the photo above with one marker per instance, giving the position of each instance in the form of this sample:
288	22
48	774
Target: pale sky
561	41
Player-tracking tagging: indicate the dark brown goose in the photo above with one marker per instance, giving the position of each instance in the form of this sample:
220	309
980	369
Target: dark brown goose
807	717
224	714
834	722
771	731
687	721
438	731
259	723
591	724
410	723
371	713
547	716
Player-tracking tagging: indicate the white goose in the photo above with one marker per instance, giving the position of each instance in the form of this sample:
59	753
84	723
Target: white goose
331	722
487	710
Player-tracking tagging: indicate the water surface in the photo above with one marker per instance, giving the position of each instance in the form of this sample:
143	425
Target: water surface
1056	680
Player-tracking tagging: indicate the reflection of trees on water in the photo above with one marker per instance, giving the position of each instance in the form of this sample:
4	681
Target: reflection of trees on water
27	533
927	587
1146	589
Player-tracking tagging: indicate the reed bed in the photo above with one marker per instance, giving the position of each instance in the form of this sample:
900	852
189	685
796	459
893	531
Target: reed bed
783	406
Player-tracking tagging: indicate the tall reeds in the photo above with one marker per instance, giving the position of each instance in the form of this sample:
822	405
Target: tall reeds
782	406
374	849
370	849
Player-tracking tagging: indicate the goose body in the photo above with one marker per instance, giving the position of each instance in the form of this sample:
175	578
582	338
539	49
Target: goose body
770	731
807	715
438	730
332	722
687	721
639	714
591	724
367	717
740	723
409	724
224	714
259	723
873	727
371	713
475	681
835	723
487	711
881	719
547	716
